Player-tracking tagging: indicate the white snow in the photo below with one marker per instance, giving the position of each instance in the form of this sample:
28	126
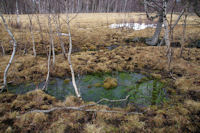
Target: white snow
135	26
64	34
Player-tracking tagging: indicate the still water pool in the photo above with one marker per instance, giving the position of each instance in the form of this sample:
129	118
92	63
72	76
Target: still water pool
143	91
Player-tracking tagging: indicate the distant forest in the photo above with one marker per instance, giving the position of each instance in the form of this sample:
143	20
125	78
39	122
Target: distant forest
73	6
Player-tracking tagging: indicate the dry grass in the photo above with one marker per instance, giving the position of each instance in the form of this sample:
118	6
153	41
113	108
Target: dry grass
91	32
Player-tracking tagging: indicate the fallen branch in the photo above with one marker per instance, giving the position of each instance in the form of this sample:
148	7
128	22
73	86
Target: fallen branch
105	99
80	108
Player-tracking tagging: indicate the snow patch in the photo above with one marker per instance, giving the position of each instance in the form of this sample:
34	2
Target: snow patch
135	26
64	34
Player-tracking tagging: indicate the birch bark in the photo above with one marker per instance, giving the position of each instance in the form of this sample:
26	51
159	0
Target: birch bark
13	53
166	29
69	58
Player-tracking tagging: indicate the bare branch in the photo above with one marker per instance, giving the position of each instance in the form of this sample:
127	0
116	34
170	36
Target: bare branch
80	108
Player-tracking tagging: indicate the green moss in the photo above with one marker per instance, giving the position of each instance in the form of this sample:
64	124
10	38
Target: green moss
142	80
124	76
157	93
87	78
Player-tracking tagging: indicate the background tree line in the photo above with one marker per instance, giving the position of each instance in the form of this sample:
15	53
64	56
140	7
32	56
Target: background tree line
81	6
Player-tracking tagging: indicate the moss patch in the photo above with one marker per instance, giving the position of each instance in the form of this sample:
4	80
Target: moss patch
110	83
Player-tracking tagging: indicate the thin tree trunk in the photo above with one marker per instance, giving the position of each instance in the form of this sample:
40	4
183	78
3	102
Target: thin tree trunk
38	21
58	27
51	38
17	12
13	53
179	17
166	28
151	18
183	37
32	35
25	49
48	73
69	59
3	51
125	5
41	34
171	19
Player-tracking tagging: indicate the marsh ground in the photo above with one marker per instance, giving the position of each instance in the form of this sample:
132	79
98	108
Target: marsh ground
91	36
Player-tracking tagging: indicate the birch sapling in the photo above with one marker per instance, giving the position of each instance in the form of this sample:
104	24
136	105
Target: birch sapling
17	12
48	72
58	28
32	34
13	53
49	57
69	58
51	37
183	35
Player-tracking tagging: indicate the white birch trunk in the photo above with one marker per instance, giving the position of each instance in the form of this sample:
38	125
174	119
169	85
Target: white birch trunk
166	29
17	12
51	37
13	53
48	73
69	59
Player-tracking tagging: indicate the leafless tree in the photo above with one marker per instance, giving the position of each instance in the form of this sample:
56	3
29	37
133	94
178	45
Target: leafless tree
166	28
159	13
51	36
32	34
58	28
184	30
17	12
48	72
13	53
69	57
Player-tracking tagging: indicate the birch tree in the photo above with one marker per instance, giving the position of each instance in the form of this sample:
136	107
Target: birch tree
17	12
159	14
58	28
32	34
166	29
48	71
184	30
51	37
49	55
69	57
13	53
